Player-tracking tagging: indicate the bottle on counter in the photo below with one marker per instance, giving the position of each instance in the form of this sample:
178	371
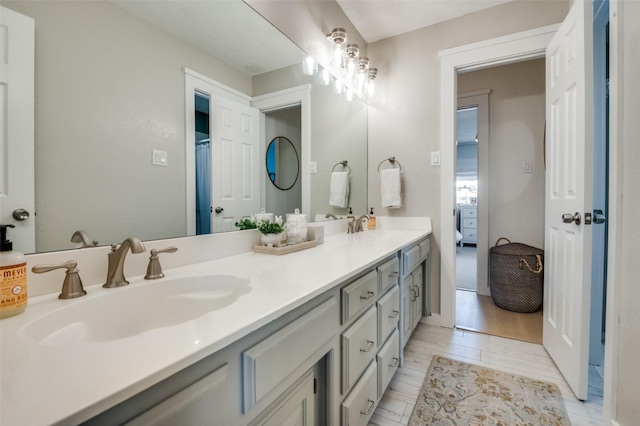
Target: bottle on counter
350	215
371	223
13	277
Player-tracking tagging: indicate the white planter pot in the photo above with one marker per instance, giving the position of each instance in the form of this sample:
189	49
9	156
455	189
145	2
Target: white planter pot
271	240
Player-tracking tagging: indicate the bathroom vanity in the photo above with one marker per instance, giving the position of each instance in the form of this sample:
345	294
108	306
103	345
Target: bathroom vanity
314	336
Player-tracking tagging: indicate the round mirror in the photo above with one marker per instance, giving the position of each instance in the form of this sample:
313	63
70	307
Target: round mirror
283	165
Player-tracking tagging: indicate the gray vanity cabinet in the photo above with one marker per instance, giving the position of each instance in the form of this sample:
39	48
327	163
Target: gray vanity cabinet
414	286
295	407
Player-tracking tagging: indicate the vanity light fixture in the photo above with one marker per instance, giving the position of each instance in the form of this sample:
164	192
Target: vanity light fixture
357	76
309	65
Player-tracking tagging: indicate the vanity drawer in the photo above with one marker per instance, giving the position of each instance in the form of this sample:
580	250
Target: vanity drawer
388	360
411	259
269	362
358	407
359	344
357	295
388	274
388	313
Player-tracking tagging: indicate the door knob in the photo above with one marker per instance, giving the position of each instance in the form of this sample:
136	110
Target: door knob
217	209
20	214
599	217
568	218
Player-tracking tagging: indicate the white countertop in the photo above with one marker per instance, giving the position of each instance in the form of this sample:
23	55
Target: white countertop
42	385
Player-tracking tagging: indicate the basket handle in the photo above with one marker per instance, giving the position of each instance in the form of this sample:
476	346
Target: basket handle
502	238
538	264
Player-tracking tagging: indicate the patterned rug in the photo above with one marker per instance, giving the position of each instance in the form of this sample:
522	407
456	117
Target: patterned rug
458	393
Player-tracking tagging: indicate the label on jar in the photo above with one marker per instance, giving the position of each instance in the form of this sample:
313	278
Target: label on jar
13	286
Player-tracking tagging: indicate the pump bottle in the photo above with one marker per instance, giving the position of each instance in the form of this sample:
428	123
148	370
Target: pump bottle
13	277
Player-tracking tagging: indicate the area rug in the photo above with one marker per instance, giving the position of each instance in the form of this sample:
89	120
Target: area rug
459	393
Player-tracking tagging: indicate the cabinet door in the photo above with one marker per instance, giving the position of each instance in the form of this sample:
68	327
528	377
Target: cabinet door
417	287
202	403
407	299
296	409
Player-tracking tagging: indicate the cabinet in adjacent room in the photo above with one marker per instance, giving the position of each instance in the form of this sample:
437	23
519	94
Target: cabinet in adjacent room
469	224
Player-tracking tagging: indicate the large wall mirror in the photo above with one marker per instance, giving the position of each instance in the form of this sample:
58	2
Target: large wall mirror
110	90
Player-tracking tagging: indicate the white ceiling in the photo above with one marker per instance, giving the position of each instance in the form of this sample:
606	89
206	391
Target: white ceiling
380	19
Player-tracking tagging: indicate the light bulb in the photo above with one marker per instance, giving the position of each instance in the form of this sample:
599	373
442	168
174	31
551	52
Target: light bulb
309	65
325	77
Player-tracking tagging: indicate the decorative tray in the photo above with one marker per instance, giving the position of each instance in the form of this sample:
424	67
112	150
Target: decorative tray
285	249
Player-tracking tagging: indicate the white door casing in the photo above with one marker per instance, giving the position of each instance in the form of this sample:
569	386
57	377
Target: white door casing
235	162
567	278
17	185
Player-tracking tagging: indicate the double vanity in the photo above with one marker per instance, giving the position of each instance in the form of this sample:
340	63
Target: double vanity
247	339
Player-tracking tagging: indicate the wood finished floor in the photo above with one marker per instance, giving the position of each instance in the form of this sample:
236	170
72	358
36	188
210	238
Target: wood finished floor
512	356
479	313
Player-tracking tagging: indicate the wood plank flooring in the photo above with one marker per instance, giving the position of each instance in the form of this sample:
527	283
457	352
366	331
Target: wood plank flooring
479	313
513	356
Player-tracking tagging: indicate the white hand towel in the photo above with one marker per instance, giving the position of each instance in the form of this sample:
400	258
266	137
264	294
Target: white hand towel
339	190
390	188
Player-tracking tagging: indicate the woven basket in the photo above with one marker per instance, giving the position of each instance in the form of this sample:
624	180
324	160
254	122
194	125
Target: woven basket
515	276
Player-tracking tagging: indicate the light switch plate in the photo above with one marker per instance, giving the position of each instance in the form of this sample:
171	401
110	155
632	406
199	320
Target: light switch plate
159	158
313	167
435	158
527	167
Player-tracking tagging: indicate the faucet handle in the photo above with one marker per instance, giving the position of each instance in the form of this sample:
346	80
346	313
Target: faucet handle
72	285
154	269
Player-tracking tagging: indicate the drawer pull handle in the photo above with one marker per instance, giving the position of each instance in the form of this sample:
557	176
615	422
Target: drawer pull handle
413	295
394	274
369	295
396	361
394	314
369	408
368	348
417	291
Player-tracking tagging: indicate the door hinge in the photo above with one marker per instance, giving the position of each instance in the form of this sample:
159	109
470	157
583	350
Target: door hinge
315	386
587	218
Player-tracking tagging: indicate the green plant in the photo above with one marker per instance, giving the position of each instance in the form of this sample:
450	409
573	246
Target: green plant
246	224
267	227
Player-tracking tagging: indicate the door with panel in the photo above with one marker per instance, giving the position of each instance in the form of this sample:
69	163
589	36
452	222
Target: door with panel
567	279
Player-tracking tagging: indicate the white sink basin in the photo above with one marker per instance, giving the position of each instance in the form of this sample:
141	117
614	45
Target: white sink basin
134	309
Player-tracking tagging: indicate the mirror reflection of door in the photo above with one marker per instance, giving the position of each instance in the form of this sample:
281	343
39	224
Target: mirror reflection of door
467	198
203	165
284	126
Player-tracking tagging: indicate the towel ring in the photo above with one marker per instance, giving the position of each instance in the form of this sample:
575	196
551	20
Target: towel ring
391	160
344	164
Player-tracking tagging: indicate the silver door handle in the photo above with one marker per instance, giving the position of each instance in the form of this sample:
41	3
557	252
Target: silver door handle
217	209
599	217
20	214
568	218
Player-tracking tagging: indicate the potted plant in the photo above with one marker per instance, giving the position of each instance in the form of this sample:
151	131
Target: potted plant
246	224
271	231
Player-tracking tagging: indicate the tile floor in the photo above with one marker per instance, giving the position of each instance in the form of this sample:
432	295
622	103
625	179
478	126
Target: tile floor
516	357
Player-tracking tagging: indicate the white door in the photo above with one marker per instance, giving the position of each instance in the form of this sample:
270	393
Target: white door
235	167
17	128
569	145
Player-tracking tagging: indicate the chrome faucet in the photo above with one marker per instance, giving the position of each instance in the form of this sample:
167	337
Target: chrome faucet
115	271
81	236
331	215
358	222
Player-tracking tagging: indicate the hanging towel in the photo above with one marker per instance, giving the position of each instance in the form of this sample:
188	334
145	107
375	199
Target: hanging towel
339	191
390	188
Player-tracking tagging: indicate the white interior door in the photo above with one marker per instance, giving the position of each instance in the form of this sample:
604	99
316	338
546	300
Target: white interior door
16	127
569	145
235	167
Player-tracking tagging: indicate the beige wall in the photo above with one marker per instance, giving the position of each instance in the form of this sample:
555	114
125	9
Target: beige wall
110	89
404	118
516	134
627	100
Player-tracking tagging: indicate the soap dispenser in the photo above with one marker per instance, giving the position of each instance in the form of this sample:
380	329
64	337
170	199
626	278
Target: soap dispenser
371	223
13	277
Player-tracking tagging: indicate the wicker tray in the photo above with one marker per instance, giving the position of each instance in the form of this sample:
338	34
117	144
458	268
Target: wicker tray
284	249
